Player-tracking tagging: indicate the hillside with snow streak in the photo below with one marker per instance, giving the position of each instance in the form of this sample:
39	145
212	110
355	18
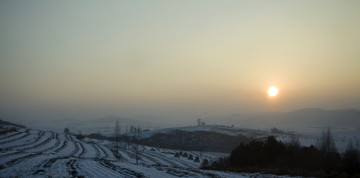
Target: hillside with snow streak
37	153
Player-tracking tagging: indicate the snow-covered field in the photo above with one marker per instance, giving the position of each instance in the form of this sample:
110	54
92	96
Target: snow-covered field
37	153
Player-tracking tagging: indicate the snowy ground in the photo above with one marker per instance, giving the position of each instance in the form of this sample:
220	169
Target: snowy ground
37	153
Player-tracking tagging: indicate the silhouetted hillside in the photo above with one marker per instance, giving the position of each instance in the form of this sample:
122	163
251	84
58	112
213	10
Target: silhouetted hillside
2	122
309	117
198	140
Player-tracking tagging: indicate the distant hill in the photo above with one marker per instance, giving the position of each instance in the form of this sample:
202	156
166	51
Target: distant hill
2	122
308	117
314	117
104	125
294	120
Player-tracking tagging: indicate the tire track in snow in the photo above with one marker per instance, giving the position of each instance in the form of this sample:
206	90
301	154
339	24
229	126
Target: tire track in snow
172	163
91	151
97	154
94	169
10	154
18	138
38	145
39	164
71	169
125	155
76	149
8	136
67	137
17	160
51	161
123	171
38	137
105	153
62	146
57	143
31	155
14	139
153	159
84	151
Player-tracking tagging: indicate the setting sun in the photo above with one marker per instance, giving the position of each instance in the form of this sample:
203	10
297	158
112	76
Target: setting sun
272	91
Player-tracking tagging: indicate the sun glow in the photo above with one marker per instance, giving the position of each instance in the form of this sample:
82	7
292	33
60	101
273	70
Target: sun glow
273	91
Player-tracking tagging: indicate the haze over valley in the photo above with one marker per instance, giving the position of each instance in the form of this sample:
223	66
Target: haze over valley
202	88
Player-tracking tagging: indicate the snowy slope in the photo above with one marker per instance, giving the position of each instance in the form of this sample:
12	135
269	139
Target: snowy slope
37	153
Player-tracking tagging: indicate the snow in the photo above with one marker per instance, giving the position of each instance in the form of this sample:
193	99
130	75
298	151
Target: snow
36	153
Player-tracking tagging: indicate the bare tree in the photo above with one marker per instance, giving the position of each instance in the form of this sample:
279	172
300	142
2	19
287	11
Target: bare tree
294	141
66	130
126	137
137	142
326	142
117	132
351	158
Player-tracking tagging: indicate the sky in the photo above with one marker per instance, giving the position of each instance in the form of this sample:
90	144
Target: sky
176	59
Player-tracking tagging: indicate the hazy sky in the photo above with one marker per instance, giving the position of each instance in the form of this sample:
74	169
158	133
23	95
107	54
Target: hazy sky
176	59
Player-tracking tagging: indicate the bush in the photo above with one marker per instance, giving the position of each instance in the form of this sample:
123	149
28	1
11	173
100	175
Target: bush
66	131
96	136
275	157
220	164
334	174
283	171
190	157
205	164
80	137
3	132
320	173
197	160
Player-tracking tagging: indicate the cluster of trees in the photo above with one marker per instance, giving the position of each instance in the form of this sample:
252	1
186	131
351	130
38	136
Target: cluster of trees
190	157
195	141
275	130
275	157
127	139
79	136
7	130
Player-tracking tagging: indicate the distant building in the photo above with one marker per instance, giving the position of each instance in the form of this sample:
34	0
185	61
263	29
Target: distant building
199	122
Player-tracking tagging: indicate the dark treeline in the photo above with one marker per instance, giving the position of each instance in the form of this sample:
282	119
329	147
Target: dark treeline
196	141
274	157
2	122
183	140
